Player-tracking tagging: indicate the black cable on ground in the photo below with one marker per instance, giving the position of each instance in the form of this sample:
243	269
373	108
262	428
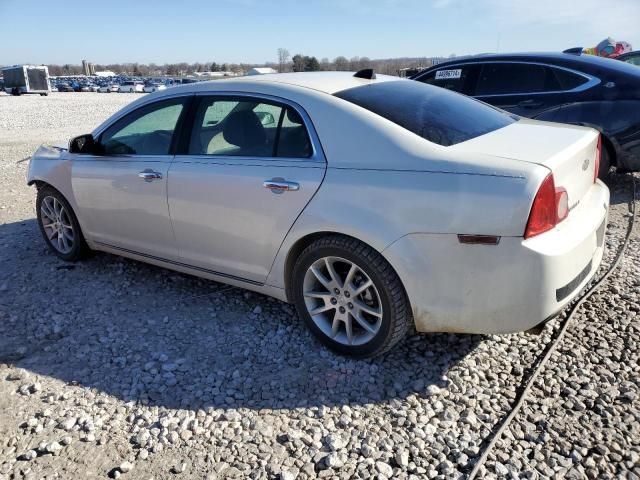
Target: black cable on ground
529	382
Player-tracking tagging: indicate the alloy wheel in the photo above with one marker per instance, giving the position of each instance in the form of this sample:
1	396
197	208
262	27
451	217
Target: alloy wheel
57	224
342	300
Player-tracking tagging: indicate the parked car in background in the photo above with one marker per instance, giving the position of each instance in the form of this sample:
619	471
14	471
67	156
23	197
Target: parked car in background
446	214
104	89
558	87
131	87
65	87
154	87
631	57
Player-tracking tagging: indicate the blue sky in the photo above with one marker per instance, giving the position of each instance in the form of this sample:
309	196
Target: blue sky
250	31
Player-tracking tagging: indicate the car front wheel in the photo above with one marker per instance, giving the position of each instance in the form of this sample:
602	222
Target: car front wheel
59	225
350	297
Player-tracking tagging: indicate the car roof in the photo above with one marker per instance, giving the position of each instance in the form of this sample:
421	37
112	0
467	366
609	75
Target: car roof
327	82
577	61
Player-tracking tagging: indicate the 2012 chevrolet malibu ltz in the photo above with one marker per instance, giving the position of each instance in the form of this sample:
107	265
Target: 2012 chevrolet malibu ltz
372	203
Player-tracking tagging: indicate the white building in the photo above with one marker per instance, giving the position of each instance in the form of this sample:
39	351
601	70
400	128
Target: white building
105	73
261	71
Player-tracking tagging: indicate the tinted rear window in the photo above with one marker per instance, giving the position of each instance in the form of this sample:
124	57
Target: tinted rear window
435	114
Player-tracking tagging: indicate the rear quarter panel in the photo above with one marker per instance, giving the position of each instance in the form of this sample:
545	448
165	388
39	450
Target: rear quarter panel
378	207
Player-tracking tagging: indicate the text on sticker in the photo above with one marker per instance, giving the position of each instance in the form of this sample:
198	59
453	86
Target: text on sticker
445	74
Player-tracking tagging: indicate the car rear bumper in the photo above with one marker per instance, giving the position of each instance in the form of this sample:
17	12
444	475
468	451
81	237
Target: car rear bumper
509	287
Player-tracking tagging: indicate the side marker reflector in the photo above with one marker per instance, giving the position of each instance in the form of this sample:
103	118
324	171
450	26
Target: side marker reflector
479	239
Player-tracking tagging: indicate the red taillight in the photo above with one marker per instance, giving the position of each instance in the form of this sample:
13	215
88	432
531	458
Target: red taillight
597	162
550	207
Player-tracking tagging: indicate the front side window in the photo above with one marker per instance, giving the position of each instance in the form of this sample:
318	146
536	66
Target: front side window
435	114
454	78
248	127
146	131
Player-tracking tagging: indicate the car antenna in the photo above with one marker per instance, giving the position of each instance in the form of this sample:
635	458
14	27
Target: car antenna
366	73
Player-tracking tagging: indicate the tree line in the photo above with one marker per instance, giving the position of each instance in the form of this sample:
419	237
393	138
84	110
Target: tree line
285	63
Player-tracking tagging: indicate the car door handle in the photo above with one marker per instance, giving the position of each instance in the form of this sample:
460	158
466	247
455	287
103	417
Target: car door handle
150	175
278	186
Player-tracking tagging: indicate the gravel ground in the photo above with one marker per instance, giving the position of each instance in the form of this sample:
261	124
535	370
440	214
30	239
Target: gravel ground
115	368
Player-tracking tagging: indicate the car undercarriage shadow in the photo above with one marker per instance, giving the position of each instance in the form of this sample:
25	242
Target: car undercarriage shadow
150	335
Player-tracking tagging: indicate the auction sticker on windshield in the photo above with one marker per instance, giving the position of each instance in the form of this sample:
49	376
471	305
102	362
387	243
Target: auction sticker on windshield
444	74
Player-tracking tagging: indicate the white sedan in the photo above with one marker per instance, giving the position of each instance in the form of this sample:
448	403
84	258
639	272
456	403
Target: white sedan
154	87
372	204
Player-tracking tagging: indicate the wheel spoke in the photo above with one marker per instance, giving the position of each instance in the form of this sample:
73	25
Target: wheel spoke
362	287
321	295
348	326
50	231
60	244
47	210
57	207
332	272
68	235
349	278
376	312
335	326
363	323
320	309
64	220
321	278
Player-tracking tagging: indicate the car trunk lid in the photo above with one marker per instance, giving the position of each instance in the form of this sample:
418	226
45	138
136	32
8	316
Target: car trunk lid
568	151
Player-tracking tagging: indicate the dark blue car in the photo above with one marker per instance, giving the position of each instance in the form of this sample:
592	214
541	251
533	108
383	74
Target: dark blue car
558	87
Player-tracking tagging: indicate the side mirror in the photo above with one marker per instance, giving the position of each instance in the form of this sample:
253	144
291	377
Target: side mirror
84	144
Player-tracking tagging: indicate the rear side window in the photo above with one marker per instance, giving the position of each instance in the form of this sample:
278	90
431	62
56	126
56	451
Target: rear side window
567	80
452	78
633	59
511	78
435	114
248	127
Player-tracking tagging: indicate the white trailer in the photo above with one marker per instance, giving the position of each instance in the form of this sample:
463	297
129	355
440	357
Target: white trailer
21	79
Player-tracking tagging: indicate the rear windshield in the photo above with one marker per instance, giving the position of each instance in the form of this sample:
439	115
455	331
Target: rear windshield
436	114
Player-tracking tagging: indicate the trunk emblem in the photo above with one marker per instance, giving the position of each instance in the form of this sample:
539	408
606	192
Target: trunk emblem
585	164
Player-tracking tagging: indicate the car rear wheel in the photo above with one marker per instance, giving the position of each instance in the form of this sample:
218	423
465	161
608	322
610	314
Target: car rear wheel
350	297
59	225
605	164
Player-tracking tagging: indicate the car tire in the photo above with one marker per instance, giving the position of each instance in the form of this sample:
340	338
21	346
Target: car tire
379	316
605	164
59	225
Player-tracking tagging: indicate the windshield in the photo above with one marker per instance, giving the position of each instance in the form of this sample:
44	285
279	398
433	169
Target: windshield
435	114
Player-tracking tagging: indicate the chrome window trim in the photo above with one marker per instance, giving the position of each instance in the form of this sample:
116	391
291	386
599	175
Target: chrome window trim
591	80
317	154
